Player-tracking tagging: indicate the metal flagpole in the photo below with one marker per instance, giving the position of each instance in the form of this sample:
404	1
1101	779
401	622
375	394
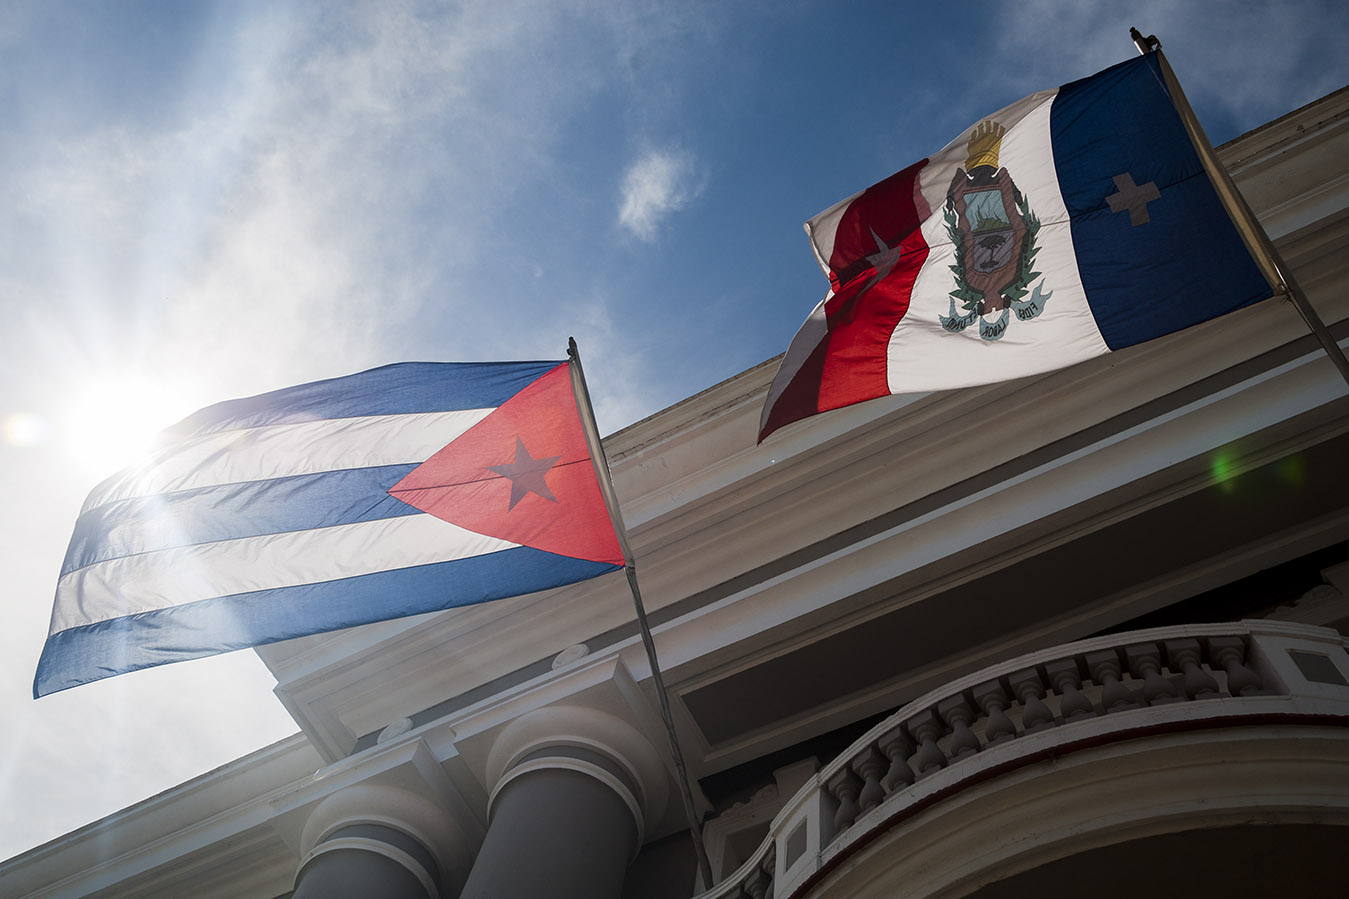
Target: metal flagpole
630	568
1275	269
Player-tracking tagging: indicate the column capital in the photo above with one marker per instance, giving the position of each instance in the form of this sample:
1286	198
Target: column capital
588	741
356	815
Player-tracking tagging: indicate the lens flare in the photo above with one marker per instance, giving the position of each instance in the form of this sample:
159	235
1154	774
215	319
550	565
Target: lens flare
1293	470
1223	468
24	429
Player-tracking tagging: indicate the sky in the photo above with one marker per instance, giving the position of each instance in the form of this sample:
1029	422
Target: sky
205	200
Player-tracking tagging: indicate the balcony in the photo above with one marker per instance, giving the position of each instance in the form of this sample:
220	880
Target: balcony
1134	736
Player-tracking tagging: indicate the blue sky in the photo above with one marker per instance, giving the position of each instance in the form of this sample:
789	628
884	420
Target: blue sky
207	200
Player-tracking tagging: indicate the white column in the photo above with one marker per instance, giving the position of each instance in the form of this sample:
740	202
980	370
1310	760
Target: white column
573	790
377	840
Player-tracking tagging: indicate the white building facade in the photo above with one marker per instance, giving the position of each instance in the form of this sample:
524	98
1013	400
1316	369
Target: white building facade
1082	628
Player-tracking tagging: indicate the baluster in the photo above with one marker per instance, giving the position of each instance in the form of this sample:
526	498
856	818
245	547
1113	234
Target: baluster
1230	653
758	884
898	746
1105	670
870	764
1028	687
1183	655
927	730
957	713
1066	678
844	786
992	698
769	867
1145	661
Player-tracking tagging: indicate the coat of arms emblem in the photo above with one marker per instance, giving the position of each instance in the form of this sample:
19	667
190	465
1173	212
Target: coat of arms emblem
993	230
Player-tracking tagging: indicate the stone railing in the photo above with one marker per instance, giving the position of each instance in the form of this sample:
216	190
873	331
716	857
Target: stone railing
1020	711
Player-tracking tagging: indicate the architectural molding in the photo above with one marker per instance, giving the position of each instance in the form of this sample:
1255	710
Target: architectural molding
412	814
1100	797
425	876
1261	693
591	742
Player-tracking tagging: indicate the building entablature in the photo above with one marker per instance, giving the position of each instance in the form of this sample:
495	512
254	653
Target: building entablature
1141	733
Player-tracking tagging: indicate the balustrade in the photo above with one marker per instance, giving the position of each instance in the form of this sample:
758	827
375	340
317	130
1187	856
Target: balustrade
844	786
1066	678
1026	685
1100	680
897	746
992	698
927	729
870	764
1145	661
753	880
957	713
1184	654
1230	653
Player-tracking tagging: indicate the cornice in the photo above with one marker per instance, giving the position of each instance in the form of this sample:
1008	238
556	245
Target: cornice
1318	120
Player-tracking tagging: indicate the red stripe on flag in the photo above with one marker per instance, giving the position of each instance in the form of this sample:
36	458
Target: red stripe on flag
877	254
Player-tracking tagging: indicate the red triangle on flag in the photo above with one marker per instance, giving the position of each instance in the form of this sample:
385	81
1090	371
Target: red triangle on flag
521	474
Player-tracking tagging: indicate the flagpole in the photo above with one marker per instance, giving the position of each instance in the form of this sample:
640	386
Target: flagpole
630	568
1252	233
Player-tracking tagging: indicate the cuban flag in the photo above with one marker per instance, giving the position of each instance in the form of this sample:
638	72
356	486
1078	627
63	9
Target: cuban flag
1073	223
404	489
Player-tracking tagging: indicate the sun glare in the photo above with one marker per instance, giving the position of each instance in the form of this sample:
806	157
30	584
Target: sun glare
23	429
115	422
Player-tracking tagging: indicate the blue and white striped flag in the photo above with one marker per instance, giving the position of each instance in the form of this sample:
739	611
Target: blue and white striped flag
401	490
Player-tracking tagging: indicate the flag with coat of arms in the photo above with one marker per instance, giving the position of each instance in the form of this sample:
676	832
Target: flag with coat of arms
1073	223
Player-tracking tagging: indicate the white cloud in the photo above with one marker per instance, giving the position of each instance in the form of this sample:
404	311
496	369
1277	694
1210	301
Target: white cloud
359	165
656	185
